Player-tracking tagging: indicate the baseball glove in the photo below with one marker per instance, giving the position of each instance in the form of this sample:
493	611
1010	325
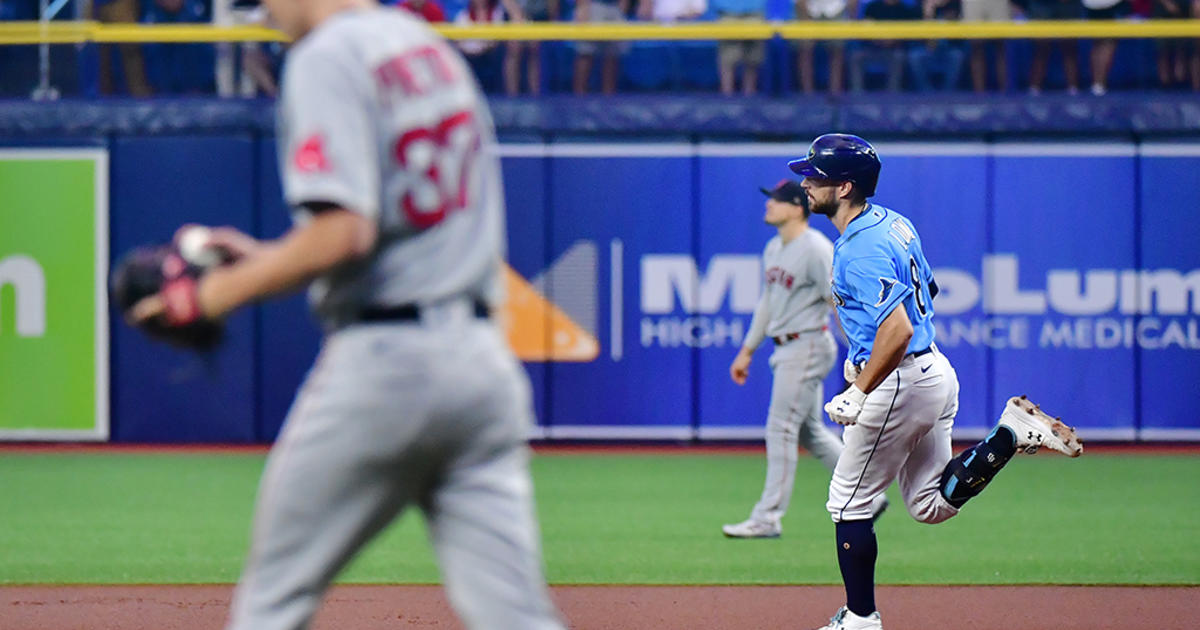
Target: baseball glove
162	270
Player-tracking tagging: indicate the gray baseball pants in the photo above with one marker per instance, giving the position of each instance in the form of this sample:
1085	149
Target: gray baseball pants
433	415
795	418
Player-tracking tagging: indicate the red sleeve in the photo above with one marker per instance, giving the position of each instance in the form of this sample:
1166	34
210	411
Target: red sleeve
434	12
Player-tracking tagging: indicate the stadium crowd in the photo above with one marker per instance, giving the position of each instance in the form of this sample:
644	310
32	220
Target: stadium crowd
730	67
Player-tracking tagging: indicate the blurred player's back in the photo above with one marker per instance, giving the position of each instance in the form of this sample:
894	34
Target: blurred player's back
406	97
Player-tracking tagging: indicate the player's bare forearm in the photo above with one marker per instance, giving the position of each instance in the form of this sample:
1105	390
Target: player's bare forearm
891	343
739	370
305	252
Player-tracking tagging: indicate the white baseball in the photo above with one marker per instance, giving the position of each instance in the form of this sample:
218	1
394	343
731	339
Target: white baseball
194	247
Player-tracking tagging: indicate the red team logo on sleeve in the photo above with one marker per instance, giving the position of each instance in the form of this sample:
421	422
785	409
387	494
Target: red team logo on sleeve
310	157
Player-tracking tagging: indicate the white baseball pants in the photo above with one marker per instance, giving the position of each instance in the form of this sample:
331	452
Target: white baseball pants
903	432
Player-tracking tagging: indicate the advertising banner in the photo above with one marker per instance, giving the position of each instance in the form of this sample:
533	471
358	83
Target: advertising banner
1064	270
53	297
612	222
1162	322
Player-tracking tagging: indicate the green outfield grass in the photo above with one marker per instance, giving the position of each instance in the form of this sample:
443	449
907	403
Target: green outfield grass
645	518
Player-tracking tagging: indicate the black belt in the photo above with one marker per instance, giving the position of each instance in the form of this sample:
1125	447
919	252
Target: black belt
918	353
782	339
410	312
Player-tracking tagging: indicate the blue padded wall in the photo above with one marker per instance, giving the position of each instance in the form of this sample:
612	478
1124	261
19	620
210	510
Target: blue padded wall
161	394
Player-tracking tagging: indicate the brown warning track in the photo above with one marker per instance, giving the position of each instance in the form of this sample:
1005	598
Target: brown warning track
204	607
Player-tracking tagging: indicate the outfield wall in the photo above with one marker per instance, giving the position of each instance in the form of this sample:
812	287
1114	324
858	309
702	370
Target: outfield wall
1070	272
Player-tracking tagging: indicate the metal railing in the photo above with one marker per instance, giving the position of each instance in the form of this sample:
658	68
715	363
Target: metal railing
14	33
46	32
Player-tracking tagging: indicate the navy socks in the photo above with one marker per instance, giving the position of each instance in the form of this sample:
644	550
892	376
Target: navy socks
964	477
857	549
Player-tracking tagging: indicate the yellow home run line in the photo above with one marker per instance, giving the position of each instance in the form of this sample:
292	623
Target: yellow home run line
13	33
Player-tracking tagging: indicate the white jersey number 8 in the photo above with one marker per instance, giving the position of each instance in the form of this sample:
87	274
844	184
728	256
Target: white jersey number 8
441	160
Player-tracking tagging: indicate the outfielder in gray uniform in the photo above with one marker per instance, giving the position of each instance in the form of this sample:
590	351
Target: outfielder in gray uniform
387	155
793	312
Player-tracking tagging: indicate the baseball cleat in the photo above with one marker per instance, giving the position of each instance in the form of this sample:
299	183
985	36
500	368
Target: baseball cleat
846	620
1034	428
751	528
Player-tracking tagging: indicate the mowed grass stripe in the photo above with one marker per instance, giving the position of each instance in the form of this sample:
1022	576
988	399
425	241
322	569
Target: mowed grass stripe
618	518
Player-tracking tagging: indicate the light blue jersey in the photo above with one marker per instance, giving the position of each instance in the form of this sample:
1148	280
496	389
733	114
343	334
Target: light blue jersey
877	264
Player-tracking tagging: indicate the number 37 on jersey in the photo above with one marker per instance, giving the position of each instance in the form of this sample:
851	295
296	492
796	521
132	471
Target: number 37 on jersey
440	158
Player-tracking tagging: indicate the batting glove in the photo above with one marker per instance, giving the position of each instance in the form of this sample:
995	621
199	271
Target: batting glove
845	407
849	371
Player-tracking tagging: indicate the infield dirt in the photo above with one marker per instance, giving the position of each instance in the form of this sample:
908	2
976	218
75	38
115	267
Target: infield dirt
204	607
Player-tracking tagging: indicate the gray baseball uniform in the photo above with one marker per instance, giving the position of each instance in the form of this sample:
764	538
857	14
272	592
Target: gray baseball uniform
415	398
793	312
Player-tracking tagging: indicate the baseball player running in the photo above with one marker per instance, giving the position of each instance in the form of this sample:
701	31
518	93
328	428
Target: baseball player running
794	313
386	151
900	407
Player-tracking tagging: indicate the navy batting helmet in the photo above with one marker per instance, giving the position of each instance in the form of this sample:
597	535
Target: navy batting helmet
841	157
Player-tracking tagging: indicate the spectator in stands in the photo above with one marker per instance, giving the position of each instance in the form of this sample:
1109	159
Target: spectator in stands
261	62
485	56
482	54
988	11
428	9
669	11
1054	10
8	80
825	10
180	68
1172	53
889	51
745	54
533	11
1196	51
132	62
942	56
1103	50
585	52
